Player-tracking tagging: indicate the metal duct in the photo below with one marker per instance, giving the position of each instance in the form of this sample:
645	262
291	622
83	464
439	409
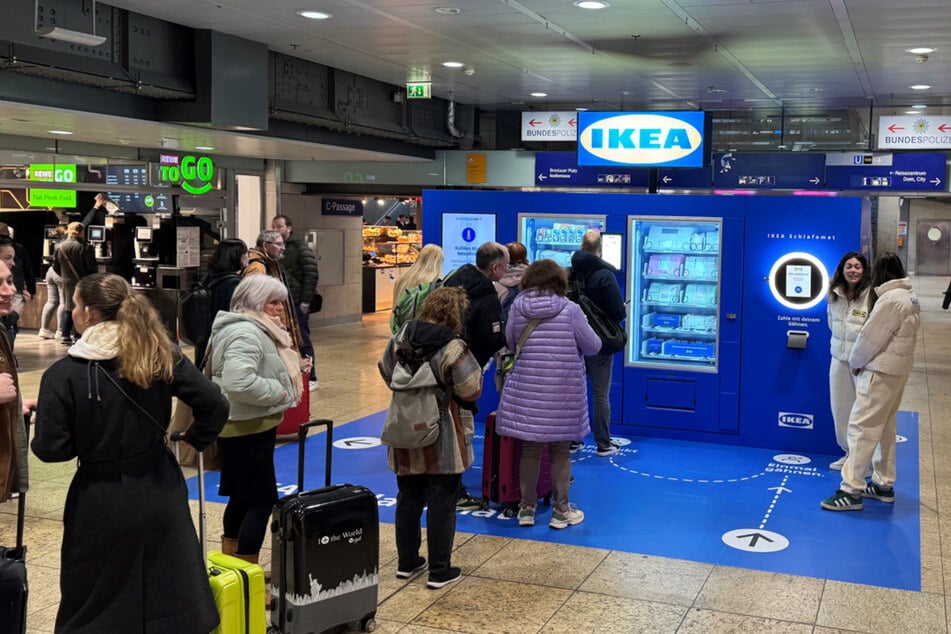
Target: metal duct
451	120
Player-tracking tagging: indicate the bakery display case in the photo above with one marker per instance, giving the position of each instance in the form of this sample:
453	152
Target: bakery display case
384	245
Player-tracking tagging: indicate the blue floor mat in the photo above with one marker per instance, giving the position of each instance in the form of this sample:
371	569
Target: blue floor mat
718	504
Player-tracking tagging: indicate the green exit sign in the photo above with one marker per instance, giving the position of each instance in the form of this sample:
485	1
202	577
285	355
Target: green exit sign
421	90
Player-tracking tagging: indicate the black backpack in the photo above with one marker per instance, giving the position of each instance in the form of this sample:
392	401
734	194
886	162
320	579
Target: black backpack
612	334
196	310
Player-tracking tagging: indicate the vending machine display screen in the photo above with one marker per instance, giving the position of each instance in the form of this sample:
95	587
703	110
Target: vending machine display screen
612	249
555	236
96	234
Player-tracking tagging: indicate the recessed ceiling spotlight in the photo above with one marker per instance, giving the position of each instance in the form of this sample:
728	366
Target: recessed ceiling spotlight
912	112
920	50
919	106
590	4
447	10
453	64
581	109
60	132
315	15
920	87
204	148
539	94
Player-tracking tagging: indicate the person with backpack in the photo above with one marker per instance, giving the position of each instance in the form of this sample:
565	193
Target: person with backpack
508	289
483	329
414	284
73	260
265	259
430	476
224	273
601	287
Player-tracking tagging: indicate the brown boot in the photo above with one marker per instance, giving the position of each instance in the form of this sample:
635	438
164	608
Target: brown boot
229	545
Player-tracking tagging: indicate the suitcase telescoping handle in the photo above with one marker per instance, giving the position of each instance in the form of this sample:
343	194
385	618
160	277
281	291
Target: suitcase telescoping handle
177	437
21	498
301	438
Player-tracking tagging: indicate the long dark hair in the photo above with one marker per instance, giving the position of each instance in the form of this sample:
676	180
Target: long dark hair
227	256
838	278
887	267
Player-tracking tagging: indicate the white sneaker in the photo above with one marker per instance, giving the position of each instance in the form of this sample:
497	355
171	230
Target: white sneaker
46	334
313	385
837	465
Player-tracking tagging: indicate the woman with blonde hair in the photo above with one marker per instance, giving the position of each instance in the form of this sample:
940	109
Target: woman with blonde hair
255	361
131	560
427	268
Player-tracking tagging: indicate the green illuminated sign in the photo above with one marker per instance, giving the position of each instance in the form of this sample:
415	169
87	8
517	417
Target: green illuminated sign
149	202
421	90
50	173
193	174
52	197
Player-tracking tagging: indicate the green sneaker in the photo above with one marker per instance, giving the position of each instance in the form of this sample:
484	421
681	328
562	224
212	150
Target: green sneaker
564	519
879	493
842	501
526	516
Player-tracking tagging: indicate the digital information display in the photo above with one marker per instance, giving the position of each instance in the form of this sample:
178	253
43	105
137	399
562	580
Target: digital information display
612	249
461	236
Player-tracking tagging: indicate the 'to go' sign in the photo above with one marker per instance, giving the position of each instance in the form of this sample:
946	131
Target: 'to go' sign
193	174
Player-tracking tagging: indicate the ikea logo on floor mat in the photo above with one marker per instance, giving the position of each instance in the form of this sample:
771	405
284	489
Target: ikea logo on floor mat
669	139
798	421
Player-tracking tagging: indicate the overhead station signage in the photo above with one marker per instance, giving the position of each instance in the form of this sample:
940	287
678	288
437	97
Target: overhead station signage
646	139
887	172
561	169
419	90
550	126
745	170
341	207
914	132
195	174
51	173
685	178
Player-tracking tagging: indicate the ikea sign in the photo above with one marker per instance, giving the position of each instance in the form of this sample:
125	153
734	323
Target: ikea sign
657	139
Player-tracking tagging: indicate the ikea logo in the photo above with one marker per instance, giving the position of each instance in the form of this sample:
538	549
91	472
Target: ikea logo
671	139
799	421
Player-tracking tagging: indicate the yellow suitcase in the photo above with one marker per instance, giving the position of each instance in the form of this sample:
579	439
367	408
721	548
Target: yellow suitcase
238	587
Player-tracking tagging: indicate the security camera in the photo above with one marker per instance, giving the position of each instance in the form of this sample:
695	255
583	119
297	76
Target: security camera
921	58
468	70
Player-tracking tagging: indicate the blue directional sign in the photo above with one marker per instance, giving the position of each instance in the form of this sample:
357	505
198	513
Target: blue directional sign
887	172
561	169
738	170
685	178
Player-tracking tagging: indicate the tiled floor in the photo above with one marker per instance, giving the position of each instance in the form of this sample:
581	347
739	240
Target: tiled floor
515	585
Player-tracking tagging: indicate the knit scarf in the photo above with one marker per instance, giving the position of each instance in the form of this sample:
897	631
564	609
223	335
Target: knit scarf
98	343
285	348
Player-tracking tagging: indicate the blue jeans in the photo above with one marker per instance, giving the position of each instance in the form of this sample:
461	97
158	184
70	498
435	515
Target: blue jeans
599	367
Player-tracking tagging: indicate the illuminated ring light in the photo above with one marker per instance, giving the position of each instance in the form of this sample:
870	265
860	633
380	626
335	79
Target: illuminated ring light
798	257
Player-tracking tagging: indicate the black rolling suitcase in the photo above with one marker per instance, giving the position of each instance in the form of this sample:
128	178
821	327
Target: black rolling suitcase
325	549
13	588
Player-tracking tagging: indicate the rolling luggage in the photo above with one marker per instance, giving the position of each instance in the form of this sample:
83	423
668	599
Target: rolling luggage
325	553
500	476
237	585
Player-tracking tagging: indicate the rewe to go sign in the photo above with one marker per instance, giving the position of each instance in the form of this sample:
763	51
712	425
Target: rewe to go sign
50	173
193	174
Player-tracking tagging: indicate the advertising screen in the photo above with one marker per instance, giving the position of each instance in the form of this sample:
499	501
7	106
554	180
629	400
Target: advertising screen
461	236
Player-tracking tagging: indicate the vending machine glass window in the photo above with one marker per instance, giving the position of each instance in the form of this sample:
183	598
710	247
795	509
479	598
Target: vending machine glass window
555	236
675	291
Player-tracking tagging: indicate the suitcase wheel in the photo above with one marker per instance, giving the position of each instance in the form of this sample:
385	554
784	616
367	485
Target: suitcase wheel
508	511
368	624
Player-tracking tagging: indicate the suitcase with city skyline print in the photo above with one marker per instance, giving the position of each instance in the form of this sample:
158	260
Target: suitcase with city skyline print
325	549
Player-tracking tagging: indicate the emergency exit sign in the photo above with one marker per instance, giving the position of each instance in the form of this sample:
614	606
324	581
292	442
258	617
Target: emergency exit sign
420	90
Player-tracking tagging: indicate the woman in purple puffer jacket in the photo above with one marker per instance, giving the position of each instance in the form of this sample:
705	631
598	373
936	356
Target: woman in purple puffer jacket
545	400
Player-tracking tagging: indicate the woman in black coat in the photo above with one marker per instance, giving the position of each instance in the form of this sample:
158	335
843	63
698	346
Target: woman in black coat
131	561
224	274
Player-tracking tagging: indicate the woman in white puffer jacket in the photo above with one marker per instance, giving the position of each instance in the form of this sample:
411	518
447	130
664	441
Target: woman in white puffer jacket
847	310
881	358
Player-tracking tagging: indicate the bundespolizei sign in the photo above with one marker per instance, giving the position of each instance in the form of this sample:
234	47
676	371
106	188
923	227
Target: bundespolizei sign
646	139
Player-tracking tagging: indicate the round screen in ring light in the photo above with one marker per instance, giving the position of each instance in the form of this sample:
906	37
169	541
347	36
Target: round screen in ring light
799	280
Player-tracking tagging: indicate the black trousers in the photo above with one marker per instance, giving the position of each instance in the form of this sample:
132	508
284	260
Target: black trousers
306	346
438	492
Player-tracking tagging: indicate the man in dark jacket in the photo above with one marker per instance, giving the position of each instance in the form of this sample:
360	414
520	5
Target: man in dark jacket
602	288
301	266
483	321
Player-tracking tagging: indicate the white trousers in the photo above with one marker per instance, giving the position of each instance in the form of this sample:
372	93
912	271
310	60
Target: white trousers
841	399
872	423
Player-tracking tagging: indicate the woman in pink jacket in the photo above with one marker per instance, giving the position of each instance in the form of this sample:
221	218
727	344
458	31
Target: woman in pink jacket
545	400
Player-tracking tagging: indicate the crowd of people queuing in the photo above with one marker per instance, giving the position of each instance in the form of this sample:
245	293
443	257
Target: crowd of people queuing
109	402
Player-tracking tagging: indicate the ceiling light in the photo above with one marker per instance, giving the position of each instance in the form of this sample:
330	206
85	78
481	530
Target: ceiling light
920	87
68	35
204	148
919	106
62	132
539	94
581	109
315	15
912	112
920	50
453	64
590	4
447	10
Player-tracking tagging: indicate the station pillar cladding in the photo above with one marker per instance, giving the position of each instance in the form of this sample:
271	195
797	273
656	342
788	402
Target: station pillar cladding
728	340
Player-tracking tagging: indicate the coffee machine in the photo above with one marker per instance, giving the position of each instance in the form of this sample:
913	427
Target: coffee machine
145	257
97	236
